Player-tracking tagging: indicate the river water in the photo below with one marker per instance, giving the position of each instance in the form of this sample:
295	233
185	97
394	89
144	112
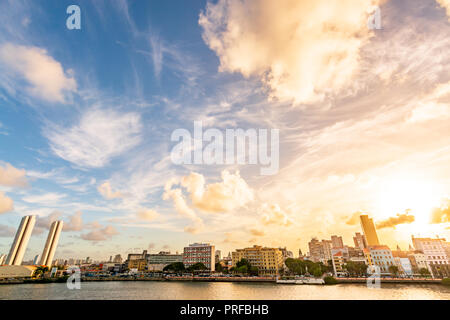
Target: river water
152	290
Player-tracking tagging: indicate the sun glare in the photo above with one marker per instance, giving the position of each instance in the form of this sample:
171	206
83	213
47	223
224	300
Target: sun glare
399	194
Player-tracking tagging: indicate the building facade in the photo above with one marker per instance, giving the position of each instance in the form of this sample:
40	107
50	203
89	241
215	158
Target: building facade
269	261
436	254
200	253
379	256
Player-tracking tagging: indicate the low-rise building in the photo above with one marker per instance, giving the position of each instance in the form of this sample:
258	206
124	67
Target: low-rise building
380	256
269	261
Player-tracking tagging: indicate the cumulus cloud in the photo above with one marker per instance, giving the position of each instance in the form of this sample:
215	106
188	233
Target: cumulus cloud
75	222
442	214
44	223
99	136
45	76
394	221
50	198
6	231
12	177
100	233
273	214
182	207
147	214
232	193
307	49
6	204
446	5
107	192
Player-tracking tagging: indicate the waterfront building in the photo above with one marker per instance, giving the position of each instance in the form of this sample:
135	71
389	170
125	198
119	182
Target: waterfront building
218	256
320	251
117	258
370	233
15	271
380	256
360	241
436	252
337	242
268	260
286	253
418	261
200	253
339	259
51	243
137	261
157	262
21	239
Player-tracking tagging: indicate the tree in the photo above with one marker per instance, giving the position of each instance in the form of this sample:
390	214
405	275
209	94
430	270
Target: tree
393	270
355	268
197	267
175	267
218	267
243	266
424	272
40	271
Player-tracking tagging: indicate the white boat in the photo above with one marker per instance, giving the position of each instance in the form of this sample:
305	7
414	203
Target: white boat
313	281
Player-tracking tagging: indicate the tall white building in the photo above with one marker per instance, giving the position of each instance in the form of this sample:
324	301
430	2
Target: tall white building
51	244
200	252
21	239
36	259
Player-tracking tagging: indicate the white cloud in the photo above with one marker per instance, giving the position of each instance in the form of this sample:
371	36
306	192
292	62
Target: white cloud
107	192
307	49
75	222
273	214
50	198
6	204
100	234
6	231
46	77
232	193
99	136
147	214
12	177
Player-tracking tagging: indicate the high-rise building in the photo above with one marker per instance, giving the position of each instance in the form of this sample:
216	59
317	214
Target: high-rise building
200	253
360	241
369	230
36	259
51	244
21	239
337	242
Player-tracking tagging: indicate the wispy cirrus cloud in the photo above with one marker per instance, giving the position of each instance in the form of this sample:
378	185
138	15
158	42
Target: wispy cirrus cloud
99	136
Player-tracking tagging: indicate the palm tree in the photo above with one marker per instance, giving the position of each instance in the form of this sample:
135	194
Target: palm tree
40	271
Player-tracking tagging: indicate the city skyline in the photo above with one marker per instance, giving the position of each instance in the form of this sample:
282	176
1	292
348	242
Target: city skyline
87	118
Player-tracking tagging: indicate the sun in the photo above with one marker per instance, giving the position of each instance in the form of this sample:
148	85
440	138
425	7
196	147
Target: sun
399	194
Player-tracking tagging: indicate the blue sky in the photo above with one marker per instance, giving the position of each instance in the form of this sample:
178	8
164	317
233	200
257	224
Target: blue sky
86	118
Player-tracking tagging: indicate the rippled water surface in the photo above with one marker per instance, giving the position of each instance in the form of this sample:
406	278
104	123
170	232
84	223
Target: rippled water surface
149	290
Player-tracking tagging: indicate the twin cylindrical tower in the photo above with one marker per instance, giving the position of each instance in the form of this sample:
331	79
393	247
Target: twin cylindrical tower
22	238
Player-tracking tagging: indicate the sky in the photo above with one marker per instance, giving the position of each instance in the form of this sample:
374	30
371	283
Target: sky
87	117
